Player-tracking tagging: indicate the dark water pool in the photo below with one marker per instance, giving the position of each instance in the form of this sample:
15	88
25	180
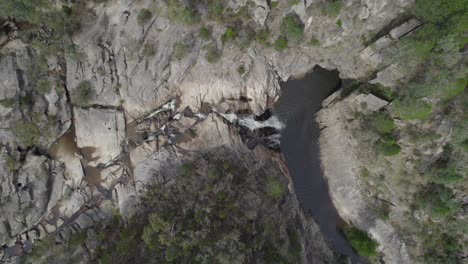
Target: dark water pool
299	101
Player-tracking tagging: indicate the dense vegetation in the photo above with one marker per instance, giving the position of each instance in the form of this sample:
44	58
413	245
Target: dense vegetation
214	212
360	241
430	177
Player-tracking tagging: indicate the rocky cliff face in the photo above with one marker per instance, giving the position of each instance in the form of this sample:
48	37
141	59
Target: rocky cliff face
85	127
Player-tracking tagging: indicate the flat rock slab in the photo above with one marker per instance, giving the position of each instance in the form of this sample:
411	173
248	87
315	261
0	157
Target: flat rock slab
99	133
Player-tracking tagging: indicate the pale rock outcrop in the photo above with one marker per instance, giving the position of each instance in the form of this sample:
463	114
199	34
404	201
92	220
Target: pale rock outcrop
100	130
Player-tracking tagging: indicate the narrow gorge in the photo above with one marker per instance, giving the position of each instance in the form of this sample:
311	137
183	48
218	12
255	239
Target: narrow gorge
233	131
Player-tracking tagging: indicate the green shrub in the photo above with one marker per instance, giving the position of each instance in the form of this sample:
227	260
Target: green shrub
411	109
205	33
229	34
28	133
179	13
180	50
314	42
292	27
8	102
144	16
438	200
10	163
187	169
263	37
382	123
241	70
446	176
212	54
361	242
274	188
293	2
389	149
333	7
148	50
464	145
77	239
43	87
82	94
281	43
339	23
436	11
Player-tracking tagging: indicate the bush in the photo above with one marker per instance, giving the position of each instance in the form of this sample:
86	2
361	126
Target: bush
382	123
263	37
43	87
205	33
333	7
339	23
82	94
212	54
241	70
292	27
281	43
144	16
274	188
187	169
314	42
148	50
438	201
180	50
436	11
229	34
179	13
388	148
446	176
361	242
411	109
28	133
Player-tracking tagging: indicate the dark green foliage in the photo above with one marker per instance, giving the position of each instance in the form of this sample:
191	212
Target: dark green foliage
205	33
333	7
181	13
388	148
349	88
339	23
441	248
387	145
446	176
438	201
274	188
293	2
281	43
28	132
408	108
10	163
43	87
144	16
292	28
212	54
187	169
464	145
7	102
148	50
437	11
203	218
241	70
360	241
314	42
229	34
82	94
382	123
77	239
263	37
180	50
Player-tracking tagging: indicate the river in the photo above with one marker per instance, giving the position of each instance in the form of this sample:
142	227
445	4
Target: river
299	101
